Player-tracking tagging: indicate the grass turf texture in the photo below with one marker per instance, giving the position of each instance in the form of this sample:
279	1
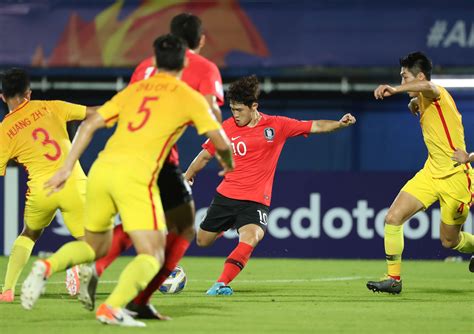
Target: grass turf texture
274	296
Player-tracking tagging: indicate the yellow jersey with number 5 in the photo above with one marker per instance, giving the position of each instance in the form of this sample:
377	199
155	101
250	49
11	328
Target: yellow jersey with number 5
443	132
35	135
151	115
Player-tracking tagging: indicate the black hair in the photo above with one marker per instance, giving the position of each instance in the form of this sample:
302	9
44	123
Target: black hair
15	81
188	27
417	62
169	52
245	90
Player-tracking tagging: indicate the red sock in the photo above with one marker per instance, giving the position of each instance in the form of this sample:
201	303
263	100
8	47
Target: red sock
120	242
176	246
235	262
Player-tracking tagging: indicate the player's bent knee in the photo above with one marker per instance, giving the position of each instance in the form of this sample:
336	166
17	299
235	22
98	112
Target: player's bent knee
449	242
203	241
393	219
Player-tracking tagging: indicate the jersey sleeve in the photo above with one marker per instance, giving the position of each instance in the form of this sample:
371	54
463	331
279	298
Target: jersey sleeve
209	146
69	111
4	155
201	116
293	127
111	109
211	84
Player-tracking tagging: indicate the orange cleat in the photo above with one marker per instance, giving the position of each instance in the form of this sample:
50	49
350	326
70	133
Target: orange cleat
116	316
7	296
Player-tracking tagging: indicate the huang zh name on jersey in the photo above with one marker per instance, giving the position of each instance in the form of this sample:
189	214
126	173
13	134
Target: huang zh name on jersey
155	87
26	122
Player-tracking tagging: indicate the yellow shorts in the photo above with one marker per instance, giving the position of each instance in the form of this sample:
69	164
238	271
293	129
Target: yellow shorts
112	189
454	193
40	209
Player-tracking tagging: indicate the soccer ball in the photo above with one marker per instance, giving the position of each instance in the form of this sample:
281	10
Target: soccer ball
175	282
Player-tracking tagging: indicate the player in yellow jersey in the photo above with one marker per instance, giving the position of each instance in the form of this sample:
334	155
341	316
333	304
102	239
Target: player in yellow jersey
150	115
462	157
34	134
439	180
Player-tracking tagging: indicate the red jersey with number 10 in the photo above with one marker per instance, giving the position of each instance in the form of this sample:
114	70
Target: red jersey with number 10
256	151
201	74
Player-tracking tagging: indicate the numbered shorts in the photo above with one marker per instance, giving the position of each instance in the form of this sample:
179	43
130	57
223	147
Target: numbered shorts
454	193
123	190
40	209
174	190
226	213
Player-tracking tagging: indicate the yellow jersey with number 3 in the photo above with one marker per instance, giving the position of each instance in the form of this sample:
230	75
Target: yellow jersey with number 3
151	115
443	132
35	135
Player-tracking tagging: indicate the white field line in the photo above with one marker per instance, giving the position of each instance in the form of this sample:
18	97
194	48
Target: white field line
274	281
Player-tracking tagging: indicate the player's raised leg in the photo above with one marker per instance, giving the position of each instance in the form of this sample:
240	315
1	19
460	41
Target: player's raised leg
402	209
96	243
72	253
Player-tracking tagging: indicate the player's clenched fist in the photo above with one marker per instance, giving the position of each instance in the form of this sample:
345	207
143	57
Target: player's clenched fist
347	120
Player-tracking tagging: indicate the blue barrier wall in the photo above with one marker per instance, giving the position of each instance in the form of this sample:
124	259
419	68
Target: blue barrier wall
313	214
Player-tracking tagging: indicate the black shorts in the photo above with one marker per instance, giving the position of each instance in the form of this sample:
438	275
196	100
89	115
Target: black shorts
227	213
174	190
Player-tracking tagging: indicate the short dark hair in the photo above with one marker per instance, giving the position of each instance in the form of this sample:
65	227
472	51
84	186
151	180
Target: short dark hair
15	81
188	27
245	90
417	62
169	52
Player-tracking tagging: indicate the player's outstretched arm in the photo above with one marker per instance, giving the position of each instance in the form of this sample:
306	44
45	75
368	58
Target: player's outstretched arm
199	162
88	127
461	157
324	126
429	89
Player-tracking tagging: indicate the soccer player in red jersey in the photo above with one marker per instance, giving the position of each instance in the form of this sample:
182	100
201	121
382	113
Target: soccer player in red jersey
243	197
203	76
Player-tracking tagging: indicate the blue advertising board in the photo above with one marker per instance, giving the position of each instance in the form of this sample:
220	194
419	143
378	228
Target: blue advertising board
313	215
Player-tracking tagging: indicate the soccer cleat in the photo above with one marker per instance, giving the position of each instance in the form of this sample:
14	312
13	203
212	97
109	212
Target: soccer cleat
213	290
220	289
7	296
34	284
88	285
144	312
225	291
386	284
72	281
116	316
471	264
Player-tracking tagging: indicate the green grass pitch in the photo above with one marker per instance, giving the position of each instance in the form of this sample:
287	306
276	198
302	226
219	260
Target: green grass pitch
274	296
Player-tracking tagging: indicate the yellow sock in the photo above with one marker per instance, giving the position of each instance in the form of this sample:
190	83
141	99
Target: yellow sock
70	254
134	278
394	243
466	244
19	256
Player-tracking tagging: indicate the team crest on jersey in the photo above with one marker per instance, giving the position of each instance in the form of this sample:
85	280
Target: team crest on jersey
269	133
